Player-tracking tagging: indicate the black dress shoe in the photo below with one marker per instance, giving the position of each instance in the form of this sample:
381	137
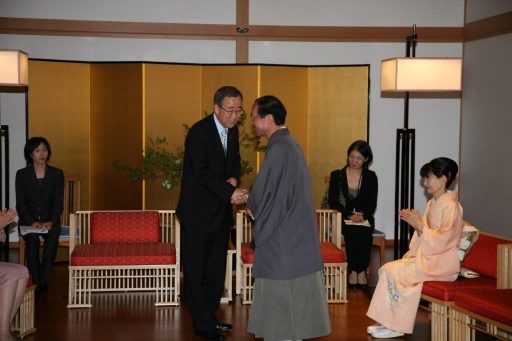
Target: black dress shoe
211	335
223	327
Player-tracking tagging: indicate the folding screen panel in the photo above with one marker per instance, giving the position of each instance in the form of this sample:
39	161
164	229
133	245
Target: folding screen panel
94	114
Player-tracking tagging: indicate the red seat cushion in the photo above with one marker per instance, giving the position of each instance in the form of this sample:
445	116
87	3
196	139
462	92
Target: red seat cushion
494	304
331	254
445	291
125	227
483	256
247	253
123	254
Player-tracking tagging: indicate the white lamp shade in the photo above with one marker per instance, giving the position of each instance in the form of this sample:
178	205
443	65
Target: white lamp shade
13	68
421	74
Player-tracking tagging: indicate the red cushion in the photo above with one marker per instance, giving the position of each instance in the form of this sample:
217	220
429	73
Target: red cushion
124	254
247	253
29	282
445	291
125	227
483	256
494	304
331	254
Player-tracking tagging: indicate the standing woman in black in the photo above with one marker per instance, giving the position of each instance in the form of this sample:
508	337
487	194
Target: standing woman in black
353	192
39	196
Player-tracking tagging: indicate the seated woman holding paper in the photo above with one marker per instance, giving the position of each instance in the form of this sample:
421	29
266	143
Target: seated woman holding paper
39	200
353	192
13	282
432	255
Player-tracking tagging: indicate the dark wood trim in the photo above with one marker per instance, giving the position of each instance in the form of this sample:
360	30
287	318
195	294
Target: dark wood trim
89	28
353	33
242	50
114	28
489	27
242	13
242	23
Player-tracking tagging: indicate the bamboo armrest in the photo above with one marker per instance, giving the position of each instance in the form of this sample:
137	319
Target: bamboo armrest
504	272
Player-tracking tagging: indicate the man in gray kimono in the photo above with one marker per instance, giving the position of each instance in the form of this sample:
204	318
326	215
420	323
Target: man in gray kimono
289	300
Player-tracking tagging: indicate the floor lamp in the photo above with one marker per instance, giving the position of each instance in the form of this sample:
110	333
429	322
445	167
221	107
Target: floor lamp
411	74
13	75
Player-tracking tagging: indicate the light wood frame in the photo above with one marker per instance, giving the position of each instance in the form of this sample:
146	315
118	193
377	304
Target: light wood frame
335	274
443	323
163	279
24	319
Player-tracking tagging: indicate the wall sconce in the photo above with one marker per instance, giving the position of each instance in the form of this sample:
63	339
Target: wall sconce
13	68
406	75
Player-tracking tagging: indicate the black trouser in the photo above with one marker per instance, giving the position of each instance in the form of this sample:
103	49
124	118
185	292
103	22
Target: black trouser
204	253
358	245
41	270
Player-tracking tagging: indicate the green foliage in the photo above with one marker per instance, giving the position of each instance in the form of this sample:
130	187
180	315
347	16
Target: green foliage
157	162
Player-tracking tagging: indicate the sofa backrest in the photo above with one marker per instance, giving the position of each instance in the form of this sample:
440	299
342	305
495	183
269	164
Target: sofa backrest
125	227
483	256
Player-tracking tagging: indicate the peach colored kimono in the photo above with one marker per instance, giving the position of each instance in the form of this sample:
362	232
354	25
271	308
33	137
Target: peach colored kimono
432	256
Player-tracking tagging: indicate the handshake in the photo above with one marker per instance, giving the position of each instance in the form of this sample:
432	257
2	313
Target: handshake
239	196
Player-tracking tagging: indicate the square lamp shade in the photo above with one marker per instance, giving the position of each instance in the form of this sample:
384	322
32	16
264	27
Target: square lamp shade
421	74
13	68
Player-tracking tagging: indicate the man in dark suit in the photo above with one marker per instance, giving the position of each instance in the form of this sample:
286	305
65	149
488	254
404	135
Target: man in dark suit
211	173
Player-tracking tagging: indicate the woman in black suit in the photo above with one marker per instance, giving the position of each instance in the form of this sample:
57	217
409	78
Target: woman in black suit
353	192
39	197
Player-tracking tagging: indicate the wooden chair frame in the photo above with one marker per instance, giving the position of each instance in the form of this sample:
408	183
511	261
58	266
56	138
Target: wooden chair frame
163	279
24	320
442	321
335	274
464	324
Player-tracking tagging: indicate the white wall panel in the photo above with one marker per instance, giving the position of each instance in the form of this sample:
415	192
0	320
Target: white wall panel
486	139
12	113
165	11
122	49
436	120
357	12
478	9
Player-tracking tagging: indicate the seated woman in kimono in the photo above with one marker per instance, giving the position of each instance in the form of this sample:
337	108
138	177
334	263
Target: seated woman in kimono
432	254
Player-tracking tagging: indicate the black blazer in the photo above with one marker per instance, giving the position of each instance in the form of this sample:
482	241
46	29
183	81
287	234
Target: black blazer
366	200
35	203
205	197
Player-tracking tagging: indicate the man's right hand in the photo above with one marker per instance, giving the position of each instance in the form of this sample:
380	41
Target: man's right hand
239	196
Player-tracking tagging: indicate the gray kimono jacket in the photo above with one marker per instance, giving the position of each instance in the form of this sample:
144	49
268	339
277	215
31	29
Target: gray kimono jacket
285	229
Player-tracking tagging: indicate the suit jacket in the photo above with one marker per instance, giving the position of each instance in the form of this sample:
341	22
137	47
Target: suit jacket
35	203
205	197
366	200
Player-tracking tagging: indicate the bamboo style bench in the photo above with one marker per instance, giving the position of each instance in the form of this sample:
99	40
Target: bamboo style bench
486	258
124	251
24	321
335	265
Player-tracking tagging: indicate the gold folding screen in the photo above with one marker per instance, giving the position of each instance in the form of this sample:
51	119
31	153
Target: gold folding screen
96	113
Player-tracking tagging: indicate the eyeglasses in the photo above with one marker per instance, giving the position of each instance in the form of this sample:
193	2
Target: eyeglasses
236	112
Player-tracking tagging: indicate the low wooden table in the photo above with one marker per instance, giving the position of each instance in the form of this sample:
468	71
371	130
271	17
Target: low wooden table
379	239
